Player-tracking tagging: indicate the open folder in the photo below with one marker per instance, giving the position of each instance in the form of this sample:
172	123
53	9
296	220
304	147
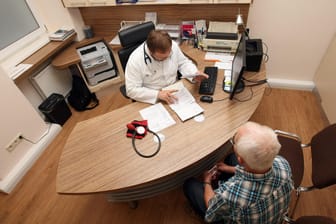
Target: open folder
186	106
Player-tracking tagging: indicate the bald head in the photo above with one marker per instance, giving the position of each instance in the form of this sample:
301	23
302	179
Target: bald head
257	145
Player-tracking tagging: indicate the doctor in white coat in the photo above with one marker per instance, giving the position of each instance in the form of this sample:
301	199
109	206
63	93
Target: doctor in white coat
154	65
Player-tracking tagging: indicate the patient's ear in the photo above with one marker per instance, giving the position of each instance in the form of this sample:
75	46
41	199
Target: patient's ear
240	160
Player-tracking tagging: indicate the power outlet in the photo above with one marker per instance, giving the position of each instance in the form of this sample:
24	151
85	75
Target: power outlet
12	144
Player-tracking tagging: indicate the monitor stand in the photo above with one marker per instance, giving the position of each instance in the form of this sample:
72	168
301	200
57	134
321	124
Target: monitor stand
240	87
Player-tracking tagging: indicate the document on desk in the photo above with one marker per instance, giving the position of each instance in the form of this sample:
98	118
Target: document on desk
186	106
157	116
222	60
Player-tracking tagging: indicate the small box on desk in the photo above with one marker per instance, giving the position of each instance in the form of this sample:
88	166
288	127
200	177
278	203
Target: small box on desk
254	54
55	109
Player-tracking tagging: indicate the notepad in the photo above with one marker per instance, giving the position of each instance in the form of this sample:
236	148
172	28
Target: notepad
157	116
186	106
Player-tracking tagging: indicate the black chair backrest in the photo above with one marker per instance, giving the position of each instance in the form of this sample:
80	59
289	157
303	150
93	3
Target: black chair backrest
131	38
314	220
291	150
323	149
124	54
135	35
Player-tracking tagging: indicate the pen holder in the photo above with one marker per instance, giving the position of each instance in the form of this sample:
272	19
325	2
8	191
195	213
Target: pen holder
200	38
88	32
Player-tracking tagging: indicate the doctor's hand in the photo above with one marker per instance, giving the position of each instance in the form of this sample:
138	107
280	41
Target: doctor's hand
200	76
168	96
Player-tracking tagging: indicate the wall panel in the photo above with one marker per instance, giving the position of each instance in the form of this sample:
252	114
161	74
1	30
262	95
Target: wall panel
105	21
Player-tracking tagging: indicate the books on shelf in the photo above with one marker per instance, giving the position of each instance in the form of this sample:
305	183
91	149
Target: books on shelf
186	107
187	29
61	34
126	1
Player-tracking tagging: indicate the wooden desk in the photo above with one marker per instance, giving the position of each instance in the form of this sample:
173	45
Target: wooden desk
98	157
42	55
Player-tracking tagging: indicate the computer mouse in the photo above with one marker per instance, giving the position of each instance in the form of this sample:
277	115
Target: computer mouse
207	99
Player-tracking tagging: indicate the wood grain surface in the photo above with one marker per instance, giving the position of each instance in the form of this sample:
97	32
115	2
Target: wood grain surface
97	156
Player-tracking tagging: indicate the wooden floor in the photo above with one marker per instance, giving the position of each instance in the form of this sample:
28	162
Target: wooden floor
35	200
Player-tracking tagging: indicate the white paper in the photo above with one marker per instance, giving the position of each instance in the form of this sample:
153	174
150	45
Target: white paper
115	41
157	116
227	80
200	26
218	56
185	106
162	26
224	65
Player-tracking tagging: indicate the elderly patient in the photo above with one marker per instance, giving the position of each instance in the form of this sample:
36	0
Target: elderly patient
252	185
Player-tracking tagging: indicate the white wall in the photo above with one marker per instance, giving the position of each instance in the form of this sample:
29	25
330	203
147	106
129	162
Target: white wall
17	116
55	15
325	80
17	113
297	33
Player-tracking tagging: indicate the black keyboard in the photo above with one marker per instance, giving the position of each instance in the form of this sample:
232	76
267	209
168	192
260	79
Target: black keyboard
207	86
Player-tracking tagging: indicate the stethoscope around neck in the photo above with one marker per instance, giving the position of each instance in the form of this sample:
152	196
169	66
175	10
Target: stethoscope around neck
146	56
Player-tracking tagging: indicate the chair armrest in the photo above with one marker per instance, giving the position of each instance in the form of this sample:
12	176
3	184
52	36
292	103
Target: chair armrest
286	219
293	136
288	134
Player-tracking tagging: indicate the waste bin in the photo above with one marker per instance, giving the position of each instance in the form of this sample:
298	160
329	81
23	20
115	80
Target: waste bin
55	109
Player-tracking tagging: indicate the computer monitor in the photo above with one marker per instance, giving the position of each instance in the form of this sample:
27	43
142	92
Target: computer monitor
238	66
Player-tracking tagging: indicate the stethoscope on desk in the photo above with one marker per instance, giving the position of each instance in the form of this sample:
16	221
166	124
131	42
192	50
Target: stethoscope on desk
138	130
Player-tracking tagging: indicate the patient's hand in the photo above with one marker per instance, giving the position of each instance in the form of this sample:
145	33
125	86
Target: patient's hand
222	167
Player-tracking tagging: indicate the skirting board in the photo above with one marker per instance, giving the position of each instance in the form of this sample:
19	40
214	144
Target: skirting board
291	84
9	182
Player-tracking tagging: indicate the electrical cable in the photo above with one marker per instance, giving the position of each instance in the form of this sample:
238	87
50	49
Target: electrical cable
247	99
266	57
270	90
32	142
225	98
262	81
255	84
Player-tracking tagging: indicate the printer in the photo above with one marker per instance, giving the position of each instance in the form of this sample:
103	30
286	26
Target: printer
97	62
221	37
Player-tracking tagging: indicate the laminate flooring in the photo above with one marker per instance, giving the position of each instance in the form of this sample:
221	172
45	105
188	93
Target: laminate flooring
34	199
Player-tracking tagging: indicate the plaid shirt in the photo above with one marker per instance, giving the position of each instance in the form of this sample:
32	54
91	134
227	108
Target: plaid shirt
253	198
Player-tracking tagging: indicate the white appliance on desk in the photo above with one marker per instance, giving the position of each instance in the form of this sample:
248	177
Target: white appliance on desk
221	37
97	62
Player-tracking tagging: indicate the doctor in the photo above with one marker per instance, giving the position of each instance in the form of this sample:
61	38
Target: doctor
154	65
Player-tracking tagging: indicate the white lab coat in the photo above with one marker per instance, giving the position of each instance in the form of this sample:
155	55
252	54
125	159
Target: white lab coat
144	81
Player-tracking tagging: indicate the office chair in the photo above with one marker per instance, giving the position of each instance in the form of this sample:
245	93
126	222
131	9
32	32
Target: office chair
310	220
323	154
130	39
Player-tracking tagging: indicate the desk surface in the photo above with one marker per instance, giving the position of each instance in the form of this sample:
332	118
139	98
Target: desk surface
98	157
44	54
70	56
